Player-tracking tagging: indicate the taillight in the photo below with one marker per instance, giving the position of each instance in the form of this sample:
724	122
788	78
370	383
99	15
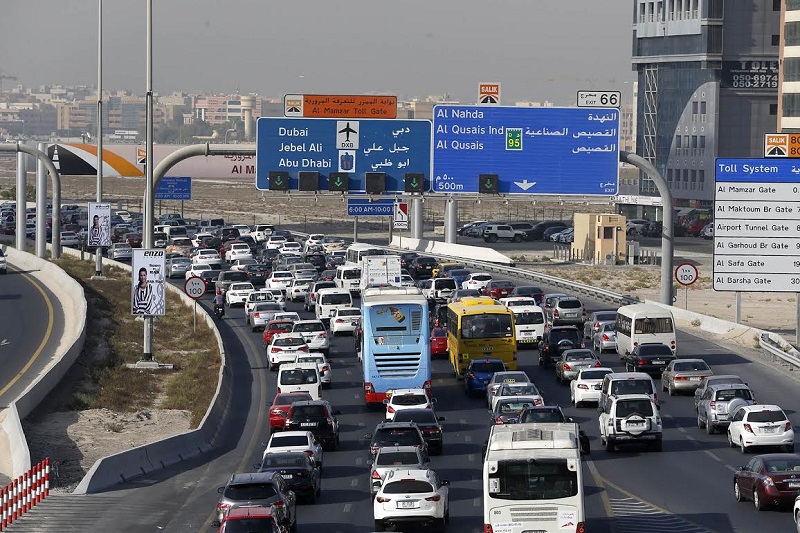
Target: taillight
787	427
471	375
499	420
303	348
374	449
581	528
712	404
309	453
256	315
605	337
222	506
642	362
389	409
330	422
555	313
434	498
275	349
487	528
598	364
381	499
749	428
376	475
338	320
325	368
681	378
597	325
279	390
427	387
279	503
655	398
583	386
537	402
368	388
566	366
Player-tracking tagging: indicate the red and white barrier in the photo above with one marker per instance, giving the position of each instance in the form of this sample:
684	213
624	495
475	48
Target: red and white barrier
21	494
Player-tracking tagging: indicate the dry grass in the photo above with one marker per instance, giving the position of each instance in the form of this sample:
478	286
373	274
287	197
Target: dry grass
115	337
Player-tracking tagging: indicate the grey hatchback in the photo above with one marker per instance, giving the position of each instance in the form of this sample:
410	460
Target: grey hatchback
263	489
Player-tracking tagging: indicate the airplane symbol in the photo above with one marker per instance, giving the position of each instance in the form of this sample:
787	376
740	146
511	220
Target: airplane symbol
347	130
525	184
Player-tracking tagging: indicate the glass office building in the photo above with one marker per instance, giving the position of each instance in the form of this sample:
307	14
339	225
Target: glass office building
707	88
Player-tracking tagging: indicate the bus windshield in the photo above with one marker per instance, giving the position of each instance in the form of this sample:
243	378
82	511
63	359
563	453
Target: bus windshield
486	326
653	325
532	479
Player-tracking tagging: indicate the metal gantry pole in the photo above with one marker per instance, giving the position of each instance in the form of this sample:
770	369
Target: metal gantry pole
417	220
147	352
451	224
98	267
41	205
22	199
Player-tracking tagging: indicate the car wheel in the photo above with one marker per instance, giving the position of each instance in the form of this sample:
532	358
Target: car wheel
757	503
742	447
517	238
671	391
737	493
440	524
378	525
710	429
700	424
492	238
730	441
609	445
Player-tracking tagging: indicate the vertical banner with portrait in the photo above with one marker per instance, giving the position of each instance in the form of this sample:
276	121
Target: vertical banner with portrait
99	231
148	294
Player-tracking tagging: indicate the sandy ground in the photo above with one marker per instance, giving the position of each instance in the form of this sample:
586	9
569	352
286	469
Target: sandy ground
74	440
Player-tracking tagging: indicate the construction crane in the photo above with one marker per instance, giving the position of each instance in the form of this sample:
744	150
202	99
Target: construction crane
5	77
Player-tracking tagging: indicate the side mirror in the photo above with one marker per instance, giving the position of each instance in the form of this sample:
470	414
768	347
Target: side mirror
385	402
257	466
220	489
370	462
215	523
440	419
434	400
569	419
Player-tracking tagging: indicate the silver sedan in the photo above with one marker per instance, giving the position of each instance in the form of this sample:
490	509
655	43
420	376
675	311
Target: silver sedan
684	375
573	361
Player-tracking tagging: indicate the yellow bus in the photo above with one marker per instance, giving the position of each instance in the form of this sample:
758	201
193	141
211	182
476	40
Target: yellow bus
478	300
479	331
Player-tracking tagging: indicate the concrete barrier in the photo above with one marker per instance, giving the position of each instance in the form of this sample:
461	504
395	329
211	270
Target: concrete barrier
19	460
459	251
120	467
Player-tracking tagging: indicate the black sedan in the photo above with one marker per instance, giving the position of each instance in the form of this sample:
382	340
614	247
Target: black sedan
422	267
429	425
650	358
301	472
258	273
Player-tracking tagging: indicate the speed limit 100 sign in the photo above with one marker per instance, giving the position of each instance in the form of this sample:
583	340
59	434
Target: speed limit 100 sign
195	287
686	274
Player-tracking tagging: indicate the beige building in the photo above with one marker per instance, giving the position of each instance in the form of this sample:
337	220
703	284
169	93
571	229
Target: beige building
599	238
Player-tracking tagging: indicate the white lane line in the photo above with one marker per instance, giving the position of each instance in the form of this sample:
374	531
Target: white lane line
356	396
693	440
354	482
729	467
359	461
711	454
347	507
471	457
476	502
348	372
467	438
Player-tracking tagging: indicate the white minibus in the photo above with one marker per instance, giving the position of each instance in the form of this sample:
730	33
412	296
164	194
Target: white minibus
644	324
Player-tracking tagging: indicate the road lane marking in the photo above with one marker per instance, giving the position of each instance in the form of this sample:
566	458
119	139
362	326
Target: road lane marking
47	333
354	482
348	372
712	455
467	438
729	467
600	481
347	507
359	460
476	502
693	440
471	457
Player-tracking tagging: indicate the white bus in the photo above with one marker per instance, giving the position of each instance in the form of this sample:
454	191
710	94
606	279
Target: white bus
642	324
532	479
359	250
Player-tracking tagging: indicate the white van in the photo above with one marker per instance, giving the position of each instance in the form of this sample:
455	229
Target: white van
537	468
300	377
643	324
528	323
175	231
328	300
440	289
348	277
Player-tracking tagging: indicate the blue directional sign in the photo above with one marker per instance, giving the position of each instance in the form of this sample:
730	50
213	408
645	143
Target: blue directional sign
354	146
362	207
533	150
174	188
758	170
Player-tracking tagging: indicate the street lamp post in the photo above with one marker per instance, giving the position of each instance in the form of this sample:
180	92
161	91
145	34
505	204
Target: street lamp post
147	351
99	252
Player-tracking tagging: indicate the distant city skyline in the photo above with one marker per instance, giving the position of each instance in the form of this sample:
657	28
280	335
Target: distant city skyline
539	51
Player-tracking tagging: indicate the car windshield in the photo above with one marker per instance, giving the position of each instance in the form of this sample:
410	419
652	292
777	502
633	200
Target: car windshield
335	299
348	312
409	399
351	274
284	460
420	416
249	491
446	283
594	374
605	317
311	359
527	389
580	356
533	479
289	341
267	306
688	366
281	441
304	327
766	416
629	407
632	386
486	326
654	349
397	458
260	297
298	376
408	486
487	366
513	407
397	437
528	318
280	325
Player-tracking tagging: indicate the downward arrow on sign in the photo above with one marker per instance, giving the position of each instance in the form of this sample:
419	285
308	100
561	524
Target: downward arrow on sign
525	184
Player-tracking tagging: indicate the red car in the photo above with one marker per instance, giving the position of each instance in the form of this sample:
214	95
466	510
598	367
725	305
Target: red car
251	519
498	288
438	341
770	480
279	410
276	326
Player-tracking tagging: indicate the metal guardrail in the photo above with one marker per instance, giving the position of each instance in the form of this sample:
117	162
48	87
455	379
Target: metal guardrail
575	287
774	349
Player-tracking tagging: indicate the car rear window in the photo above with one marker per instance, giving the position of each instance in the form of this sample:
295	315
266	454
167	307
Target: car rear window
569	304
397	458
349	312
488	367
629	407
528	318
766	416
284	460
690	366
250	491
407	487
351	274
439	333
481	277
335	299
309	411
397	437
503	284
289	341
288	399
308	326
409	399
280	441
632	386
517	390
654	349
233	276
606	317
541	415
513	406
299	376
726	395
423	416
280	326
594	374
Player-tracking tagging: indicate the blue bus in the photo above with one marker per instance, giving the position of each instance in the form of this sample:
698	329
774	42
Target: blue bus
396	347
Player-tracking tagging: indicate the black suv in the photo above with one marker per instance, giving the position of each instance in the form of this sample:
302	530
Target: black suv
318	417
300	472
397	434
422	267
556	340
428	423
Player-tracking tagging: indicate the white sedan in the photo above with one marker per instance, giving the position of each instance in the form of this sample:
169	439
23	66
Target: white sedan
238	251
284	348
70	238
518	301
314	333
280	279
237	293
476	281
760	425
294	441
291	247
345	319
586	387
197	270
401	399
274	242
207	256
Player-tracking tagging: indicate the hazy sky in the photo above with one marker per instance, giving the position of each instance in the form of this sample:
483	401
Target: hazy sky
537	49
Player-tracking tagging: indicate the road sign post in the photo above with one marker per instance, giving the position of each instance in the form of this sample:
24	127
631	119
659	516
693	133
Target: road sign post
195	288
401	215
342	151
686	274
564	151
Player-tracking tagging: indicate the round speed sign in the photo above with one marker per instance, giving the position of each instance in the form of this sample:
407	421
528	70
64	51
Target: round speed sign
686	274
195	287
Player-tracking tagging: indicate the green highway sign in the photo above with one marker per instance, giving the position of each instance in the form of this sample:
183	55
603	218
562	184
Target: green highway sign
278	180
513	138
414	182
487	183
338	182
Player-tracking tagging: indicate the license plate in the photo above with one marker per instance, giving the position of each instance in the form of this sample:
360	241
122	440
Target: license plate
769	430
570	314
598	386
696	378
635	424
407	505
286	476
308	424
793	484
658	362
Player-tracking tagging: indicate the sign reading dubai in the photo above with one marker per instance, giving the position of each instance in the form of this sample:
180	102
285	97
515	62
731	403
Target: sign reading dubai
757	225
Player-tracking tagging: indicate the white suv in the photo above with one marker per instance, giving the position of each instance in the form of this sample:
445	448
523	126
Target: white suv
630	418
408	496
314	333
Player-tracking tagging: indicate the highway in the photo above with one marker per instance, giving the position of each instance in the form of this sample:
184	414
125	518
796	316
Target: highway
687	487
30	331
